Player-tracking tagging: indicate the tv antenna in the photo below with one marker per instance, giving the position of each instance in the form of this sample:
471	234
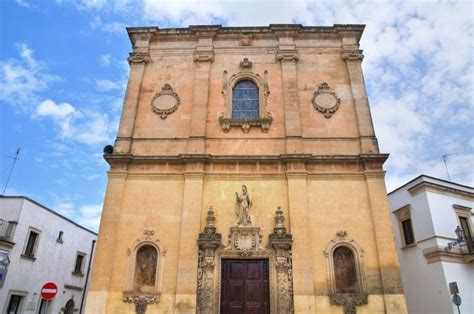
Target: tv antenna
11	169
445	159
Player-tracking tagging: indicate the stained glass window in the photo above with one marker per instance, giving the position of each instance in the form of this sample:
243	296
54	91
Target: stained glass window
245	101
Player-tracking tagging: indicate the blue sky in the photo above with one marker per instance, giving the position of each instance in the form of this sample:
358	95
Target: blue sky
63	73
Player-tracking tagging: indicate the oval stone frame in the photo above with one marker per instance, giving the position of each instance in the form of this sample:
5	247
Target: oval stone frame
165	102
325	101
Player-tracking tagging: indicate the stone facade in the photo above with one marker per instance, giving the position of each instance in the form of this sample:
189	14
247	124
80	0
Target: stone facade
309	161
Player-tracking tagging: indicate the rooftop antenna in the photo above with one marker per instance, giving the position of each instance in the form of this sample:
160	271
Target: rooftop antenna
11	170
445	159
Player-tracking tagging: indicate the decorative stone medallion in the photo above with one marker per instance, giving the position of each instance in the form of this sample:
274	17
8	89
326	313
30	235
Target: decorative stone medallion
165	102
325	101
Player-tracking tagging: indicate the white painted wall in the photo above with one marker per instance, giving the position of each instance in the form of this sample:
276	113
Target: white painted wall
433	218
54	261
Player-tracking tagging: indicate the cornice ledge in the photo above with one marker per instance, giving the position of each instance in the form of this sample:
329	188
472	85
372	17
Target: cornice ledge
425	185
367	158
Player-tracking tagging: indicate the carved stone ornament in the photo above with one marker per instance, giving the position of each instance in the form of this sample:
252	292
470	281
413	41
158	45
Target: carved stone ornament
139	57
245	240
265	119
208	242
325	101
141	300
143	287
281	242
245	64
245	40
165	102
244	243
287	55
349	301
204	56
352	55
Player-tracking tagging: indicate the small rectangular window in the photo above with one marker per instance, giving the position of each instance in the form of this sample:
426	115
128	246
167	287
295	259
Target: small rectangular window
30	246
78	265
408	232
60	237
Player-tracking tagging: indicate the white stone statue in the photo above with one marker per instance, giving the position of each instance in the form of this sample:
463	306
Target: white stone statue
242	210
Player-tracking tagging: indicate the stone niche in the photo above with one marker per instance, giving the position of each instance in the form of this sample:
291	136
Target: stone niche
245	242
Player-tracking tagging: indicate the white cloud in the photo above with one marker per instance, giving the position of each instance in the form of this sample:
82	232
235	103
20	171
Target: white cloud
86	215
105	59
23	3
50	108
83	126
107	85
21	79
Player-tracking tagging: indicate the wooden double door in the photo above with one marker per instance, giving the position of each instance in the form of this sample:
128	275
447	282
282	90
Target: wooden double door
245	287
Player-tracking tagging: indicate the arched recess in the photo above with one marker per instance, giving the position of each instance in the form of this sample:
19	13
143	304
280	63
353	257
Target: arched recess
245	74
146	257
356	292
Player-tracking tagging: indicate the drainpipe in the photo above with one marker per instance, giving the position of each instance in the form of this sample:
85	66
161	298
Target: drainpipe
87	277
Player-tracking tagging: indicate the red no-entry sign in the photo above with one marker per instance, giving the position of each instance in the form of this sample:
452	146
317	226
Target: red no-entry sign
49	290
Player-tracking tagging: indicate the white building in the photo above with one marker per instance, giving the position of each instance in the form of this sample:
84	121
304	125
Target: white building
41	246
426	212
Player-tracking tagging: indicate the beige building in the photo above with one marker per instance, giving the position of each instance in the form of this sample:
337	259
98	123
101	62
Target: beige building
246	178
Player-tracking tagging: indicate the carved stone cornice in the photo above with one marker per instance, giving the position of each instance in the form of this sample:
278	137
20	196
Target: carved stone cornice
139	57
204	56
141	300
352	55
287	55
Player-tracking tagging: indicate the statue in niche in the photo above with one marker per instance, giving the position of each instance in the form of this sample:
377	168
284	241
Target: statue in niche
344	270
145	269
244	203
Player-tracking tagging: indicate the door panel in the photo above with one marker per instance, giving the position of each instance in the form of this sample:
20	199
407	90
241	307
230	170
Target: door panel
245	287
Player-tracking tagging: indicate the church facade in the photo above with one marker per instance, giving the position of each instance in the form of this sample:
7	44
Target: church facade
246	178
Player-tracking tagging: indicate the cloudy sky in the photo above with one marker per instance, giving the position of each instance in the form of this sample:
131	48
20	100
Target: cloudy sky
63	73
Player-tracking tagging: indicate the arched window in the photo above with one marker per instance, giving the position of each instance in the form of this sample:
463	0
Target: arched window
245	104
145	269
345	270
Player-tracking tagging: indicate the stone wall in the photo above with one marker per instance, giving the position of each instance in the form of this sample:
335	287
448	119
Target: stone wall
178	152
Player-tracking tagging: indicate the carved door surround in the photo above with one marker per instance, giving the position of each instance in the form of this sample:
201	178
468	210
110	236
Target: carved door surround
139	298
348	300
244	243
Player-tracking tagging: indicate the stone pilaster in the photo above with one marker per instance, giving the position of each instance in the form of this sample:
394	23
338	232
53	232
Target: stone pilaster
107	240
190	217
391	284
299	226
353	58
288	57
203	57
138	60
